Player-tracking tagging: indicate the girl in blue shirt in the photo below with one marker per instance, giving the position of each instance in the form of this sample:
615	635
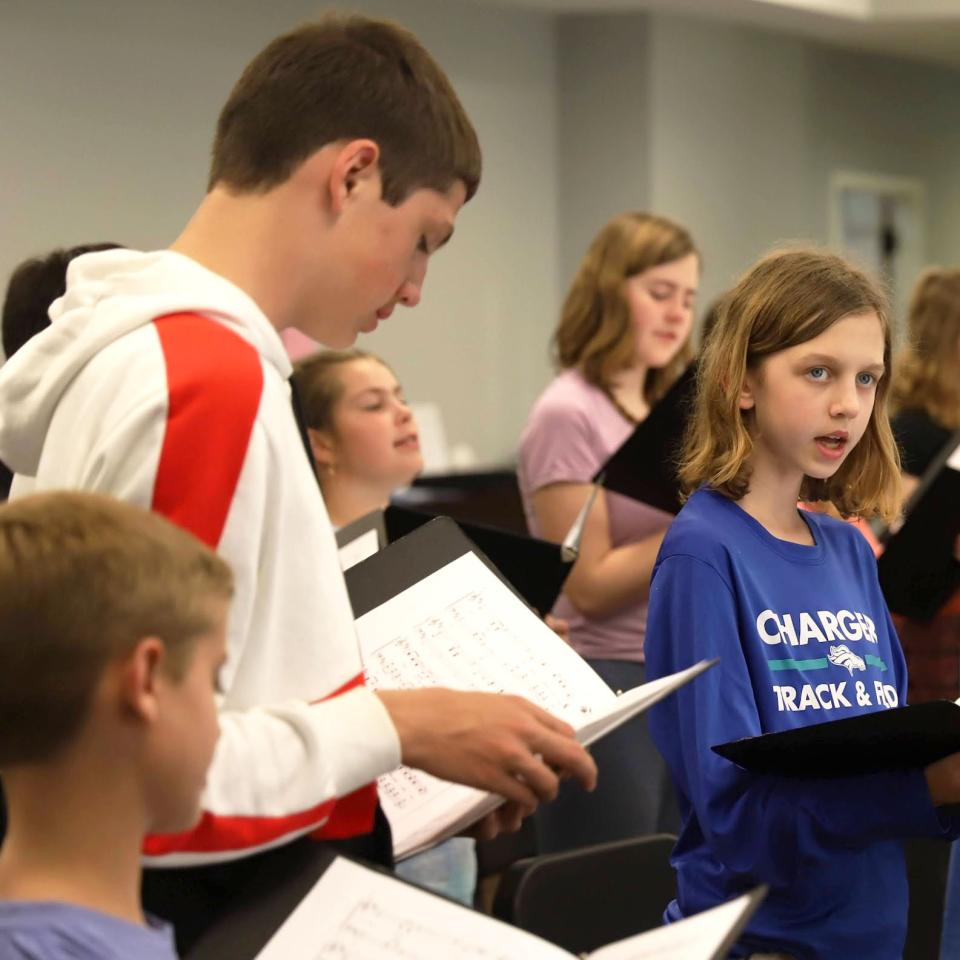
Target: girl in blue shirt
791	406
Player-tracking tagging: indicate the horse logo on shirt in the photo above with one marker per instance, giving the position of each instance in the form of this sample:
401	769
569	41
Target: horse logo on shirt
843	656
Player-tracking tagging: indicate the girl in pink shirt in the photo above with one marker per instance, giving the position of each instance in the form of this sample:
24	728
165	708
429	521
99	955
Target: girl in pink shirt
622	340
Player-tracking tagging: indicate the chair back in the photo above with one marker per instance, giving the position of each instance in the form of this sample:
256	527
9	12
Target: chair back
586	898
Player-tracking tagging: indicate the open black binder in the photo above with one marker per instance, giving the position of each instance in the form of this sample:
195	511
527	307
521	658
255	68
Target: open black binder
409	560
535	569
918	570
904	738
644	467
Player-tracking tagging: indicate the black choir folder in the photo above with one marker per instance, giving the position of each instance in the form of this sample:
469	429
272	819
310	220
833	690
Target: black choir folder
338	909
535	569
904	738
918	569
432	610
644	467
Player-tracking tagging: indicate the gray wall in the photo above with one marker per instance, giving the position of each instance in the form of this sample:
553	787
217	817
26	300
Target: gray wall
109	106
604	146
730	141
740	130
108	112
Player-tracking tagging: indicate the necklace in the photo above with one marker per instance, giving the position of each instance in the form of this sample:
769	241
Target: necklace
620	408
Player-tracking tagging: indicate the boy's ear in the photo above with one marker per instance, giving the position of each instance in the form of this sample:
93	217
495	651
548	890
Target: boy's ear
355	170
322	445
139	677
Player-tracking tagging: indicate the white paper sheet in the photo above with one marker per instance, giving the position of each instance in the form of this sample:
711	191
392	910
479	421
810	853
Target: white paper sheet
953	461
366	545
700	937
354	913
636	700
462	628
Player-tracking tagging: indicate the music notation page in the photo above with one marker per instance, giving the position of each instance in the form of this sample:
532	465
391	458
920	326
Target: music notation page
355	913
461	627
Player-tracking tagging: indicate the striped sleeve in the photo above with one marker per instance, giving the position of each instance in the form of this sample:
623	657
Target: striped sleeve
267	783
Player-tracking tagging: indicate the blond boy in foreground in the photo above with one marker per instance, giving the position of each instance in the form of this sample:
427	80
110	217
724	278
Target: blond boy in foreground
112	633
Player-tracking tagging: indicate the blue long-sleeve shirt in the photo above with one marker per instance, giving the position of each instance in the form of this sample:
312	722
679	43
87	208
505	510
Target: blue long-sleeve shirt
803	636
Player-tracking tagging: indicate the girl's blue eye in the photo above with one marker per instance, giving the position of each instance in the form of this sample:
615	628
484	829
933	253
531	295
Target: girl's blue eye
866	379
818	373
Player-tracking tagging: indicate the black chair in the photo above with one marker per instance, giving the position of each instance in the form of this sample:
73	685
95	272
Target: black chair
583	899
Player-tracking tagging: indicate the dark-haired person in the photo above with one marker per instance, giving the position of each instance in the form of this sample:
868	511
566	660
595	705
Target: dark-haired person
33	286
163	380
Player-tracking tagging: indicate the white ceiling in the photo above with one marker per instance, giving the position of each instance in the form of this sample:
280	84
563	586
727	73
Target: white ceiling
918	29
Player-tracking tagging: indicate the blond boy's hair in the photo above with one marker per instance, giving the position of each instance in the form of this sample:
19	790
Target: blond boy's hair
596	333
787	298
83	578
927	373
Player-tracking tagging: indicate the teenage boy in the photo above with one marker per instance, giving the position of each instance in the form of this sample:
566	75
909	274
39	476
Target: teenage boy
340	162
112	632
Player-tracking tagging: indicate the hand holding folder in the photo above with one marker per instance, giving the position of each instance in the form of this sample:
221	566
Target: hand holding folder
432	611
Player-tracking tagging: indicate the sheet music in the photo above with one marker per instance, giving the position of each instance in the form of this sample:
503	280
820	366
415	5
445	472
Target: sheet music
633	701
462	628
953	461
366	545
701	937
353	913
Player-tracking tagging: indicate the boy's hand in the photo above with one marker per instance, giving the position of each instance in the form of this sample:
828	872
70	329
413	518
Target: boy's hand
507	818
503	744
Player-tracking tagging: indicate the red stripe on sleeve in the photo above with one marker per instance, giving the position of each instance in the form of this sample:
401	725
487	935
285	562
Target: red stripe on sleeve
333	819
347	816
354	813
214	384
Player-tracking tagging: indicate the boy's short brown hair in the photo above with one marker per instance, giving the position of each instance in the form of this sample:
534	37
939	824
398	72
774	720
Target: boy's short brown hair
83	578
345	78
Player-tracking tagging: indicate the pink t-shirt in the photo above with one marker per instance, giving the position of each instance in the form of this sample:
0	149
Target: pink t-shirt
572	430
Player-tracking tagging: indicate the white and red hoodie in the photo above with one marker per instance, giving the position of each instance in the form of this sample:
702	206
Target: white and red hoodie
163	384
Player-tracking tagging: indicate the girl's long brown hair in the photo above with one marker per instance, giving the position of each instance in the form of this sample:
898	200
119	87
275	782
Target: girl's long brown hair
787	298
595	333
927	373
